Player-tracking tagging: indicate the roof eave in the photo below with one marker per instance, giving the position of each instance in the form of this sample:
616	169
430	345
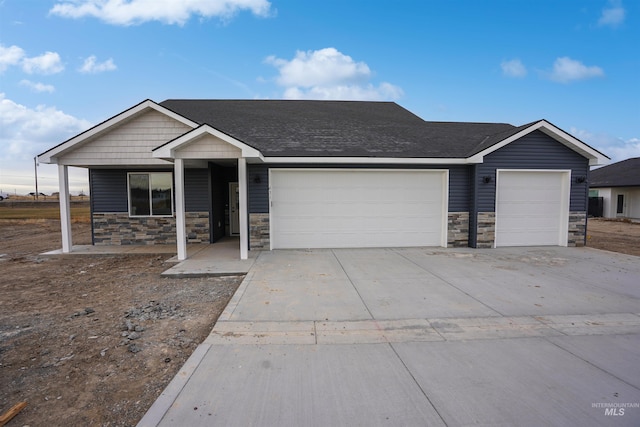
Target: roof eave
369	160
595	157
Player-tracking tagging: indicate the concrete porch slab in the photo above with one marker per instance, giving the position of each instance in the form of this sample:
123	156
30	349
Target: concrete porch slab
217	259
122	249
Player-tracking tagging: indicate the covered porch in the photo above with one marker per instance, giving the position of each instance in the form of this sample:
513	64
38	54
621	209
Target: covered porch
203	148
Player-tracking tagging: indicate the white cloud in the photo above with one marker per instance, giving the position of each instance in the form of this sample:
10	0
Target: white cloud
318	68
91	66
132	12
329	74
614	147
9	56
26	132
513	68
47	63
613	15
566	70
37	86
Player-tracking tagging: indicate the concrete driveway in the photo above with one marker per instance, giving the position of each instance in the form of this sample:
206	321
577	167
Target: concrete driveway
420	336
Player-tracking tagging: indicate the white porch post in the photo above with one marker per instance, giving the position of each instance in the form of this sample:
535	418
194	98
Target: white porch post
244	215
181	234
65	208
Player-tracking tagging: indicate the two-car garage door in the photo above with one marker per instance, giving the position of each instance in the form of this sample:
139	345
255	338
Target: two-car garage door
337	208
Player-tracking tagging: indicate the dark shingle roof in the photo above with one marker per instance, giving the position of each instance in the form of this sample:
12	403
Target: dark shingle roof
621	174
338	128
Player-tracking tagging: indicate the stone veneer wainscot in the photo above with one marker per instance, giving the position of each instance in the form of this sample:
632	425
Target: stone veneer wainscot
259	231
121	229
577	228
458	230
486	234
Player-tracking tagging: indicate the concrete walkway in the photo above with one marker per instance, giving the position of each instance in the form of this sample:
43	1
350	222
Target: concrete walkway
519	336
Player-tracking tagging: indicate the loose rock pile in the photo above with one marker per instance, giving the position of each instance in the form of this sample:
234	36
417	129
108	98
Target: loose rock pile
132	329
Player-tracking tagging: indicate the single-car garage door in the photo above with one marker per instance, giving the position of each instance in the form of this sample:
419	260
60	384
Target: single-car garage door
341	208
532	208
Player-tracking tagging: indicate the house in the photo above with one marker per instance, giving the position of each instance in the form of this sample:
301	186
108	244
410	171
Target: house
619	186
324	174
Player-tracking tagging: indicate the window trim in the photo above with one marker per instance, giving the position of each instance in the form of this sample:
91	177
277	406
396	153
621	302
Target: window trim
151	215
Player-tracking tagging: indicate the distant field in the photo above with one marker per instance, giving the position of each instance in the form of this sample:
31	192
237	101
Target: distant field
79	213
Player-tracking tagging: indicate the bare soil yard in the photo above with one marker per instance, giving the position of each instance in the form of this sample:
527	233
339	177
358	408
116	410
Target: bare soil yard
614	235
93	340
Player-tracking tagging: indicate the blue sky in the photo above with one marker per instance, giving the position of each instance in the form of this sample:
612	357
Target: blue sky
66	65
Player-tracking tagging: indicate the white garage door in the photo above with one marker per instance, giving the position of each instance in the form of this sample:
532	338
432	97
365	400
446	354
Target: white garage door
333	208
532	208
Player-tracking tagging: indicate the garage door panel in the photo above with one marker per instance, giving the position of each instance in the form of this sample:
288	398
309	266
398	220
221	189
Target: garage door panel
363	208
531	208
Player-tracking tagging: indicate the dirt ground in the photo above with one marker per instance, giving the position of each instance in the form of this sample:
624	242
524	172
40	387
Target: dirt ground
614	235
93	340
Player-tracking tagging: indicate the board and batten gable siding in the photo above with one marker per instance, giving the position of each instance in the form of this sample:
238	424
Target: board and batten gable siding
258	192
129	143
109	192
533	151
208	147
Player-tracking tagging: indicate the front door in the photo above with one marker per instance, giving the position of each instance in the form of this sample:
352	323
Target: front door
234	209
620	206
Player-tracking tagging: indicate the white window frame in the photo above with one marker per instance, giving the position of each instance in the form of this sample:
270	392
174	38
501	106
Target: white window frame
150	195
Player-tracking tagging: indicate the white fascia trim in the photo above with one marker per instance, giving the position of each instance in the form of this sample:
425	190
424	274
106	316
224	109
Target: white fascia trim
595	157
52	155
369	160
167	151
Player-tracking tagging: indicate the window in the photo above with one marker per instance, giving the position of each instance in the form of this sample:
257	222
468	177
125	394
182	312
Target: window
150	194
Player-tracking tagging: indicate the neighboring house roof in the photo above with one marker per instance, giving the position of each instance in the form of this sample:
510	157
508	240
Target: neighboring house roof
621	174
288	130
